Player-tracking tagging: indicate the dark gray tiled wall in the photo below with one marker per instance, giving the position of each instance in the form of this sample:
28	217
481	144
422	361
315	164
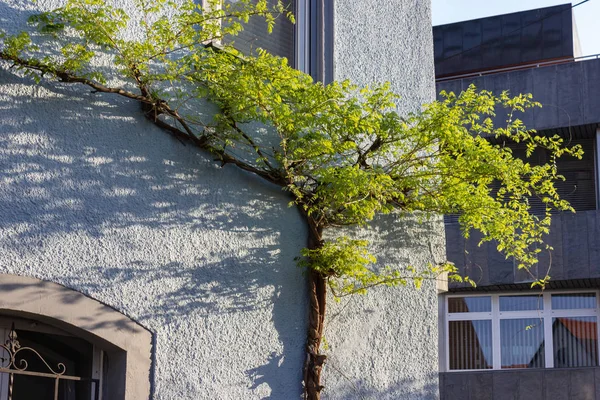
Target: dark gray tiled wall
503	40
576	255
568	93
541	384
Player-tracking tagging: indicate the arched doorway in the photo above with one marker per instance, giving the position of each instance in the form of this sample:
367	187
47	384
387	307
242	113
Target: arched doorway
58	344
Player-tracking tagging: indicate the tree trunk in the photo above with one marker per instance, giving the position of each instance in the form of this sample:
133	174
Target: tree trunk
317	287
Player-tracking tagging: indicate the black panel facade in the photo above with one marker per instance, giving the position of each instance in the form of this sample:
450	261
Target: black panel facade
505	40
570	108
576	254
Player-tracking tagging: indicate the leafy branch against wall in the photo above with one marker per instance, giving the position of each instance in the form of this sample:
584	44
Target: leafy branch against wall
341	151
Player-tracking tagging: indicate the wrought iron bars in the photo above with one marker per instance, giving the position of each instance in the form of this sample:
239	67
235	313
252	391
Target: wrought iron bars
14	366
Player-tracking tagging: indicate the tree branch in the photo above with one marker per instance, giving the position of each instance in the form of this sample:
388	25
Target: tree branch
158	105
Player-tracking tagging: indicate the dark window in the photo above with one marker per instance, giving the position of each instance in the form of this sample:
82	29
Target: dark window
74	353
281	42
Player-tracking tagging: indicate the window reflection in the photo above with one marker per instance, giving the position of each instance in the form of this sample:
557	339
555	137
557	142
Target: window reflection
469	304
470	344
521	303
575	342
573	301
544	330
522	343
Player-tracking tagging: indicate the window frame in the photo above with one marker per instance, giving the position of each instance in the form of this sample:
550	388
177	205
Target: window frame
495	315
313	38
22	323
126	344
301	30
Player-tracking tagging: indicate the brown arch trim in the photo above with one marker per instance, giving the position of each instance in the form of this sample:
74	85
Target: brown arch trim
127	344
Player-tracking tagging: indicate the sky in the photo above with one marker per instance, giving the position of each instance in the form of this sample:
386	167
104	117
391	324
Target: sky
587	15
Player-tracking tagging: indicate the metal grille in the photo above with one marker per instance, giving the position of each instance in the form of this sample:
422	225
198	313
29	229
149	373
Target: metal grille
13	364
578	188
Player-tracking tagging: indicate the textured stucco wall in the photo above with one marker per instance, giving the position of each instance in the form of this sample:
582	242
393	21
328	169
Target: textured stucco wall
384	345
95	198
378	41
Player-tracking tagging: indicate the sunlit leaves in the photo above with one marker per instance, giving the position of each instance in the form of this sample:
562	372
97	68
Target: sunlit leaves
342	152
351	269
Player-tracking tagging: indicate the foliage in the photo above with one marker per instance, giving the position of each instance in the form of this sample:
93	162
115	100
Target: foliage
342	152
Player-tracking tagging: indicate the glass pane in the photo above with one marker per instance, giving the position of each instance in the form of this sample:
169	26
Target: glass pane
522	343
470	344
469	304
521	303
572	301
279	42
575	342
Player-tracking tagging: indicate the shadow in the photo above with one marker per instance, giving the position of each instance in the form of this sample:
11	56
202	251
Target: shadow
99	314
401	239
138	185
94	197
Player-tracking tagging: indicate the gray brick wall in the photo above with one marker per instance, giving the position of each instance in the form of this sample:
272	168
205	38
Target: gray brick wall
280	42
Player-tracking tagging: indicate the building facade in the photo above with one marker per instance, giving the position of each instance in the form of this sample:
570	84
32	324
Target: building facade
503	339
151	272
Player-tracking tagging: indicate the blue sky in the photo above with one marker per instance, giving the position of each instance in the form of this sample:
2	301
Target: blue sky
587	15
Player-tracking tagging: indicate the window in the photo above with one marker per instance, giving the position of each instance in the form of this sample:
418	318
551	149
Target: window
579	186
107	350
307	44
280	42
507	331
42	362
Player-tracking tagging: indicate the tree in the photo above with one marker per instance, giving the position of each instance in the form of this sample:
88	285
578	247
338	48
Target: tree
341	152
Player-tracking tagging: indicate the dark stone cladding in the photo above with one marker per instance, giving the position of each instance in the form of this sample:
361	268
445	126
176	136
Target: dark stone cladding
571	107
574	263
568	93
525	384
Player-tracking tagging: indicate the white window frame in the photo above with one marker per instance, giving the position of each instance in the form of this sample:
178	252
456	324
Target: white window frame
546	314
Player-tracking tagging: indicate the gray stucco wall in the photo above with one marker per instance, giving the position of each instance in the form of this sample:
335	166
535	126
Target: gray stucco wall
378	41
97	199
384	345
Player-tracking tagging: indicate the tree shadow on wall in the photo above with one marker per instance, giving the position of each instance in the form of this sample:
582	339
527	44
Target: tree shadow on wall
91	171
83	179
